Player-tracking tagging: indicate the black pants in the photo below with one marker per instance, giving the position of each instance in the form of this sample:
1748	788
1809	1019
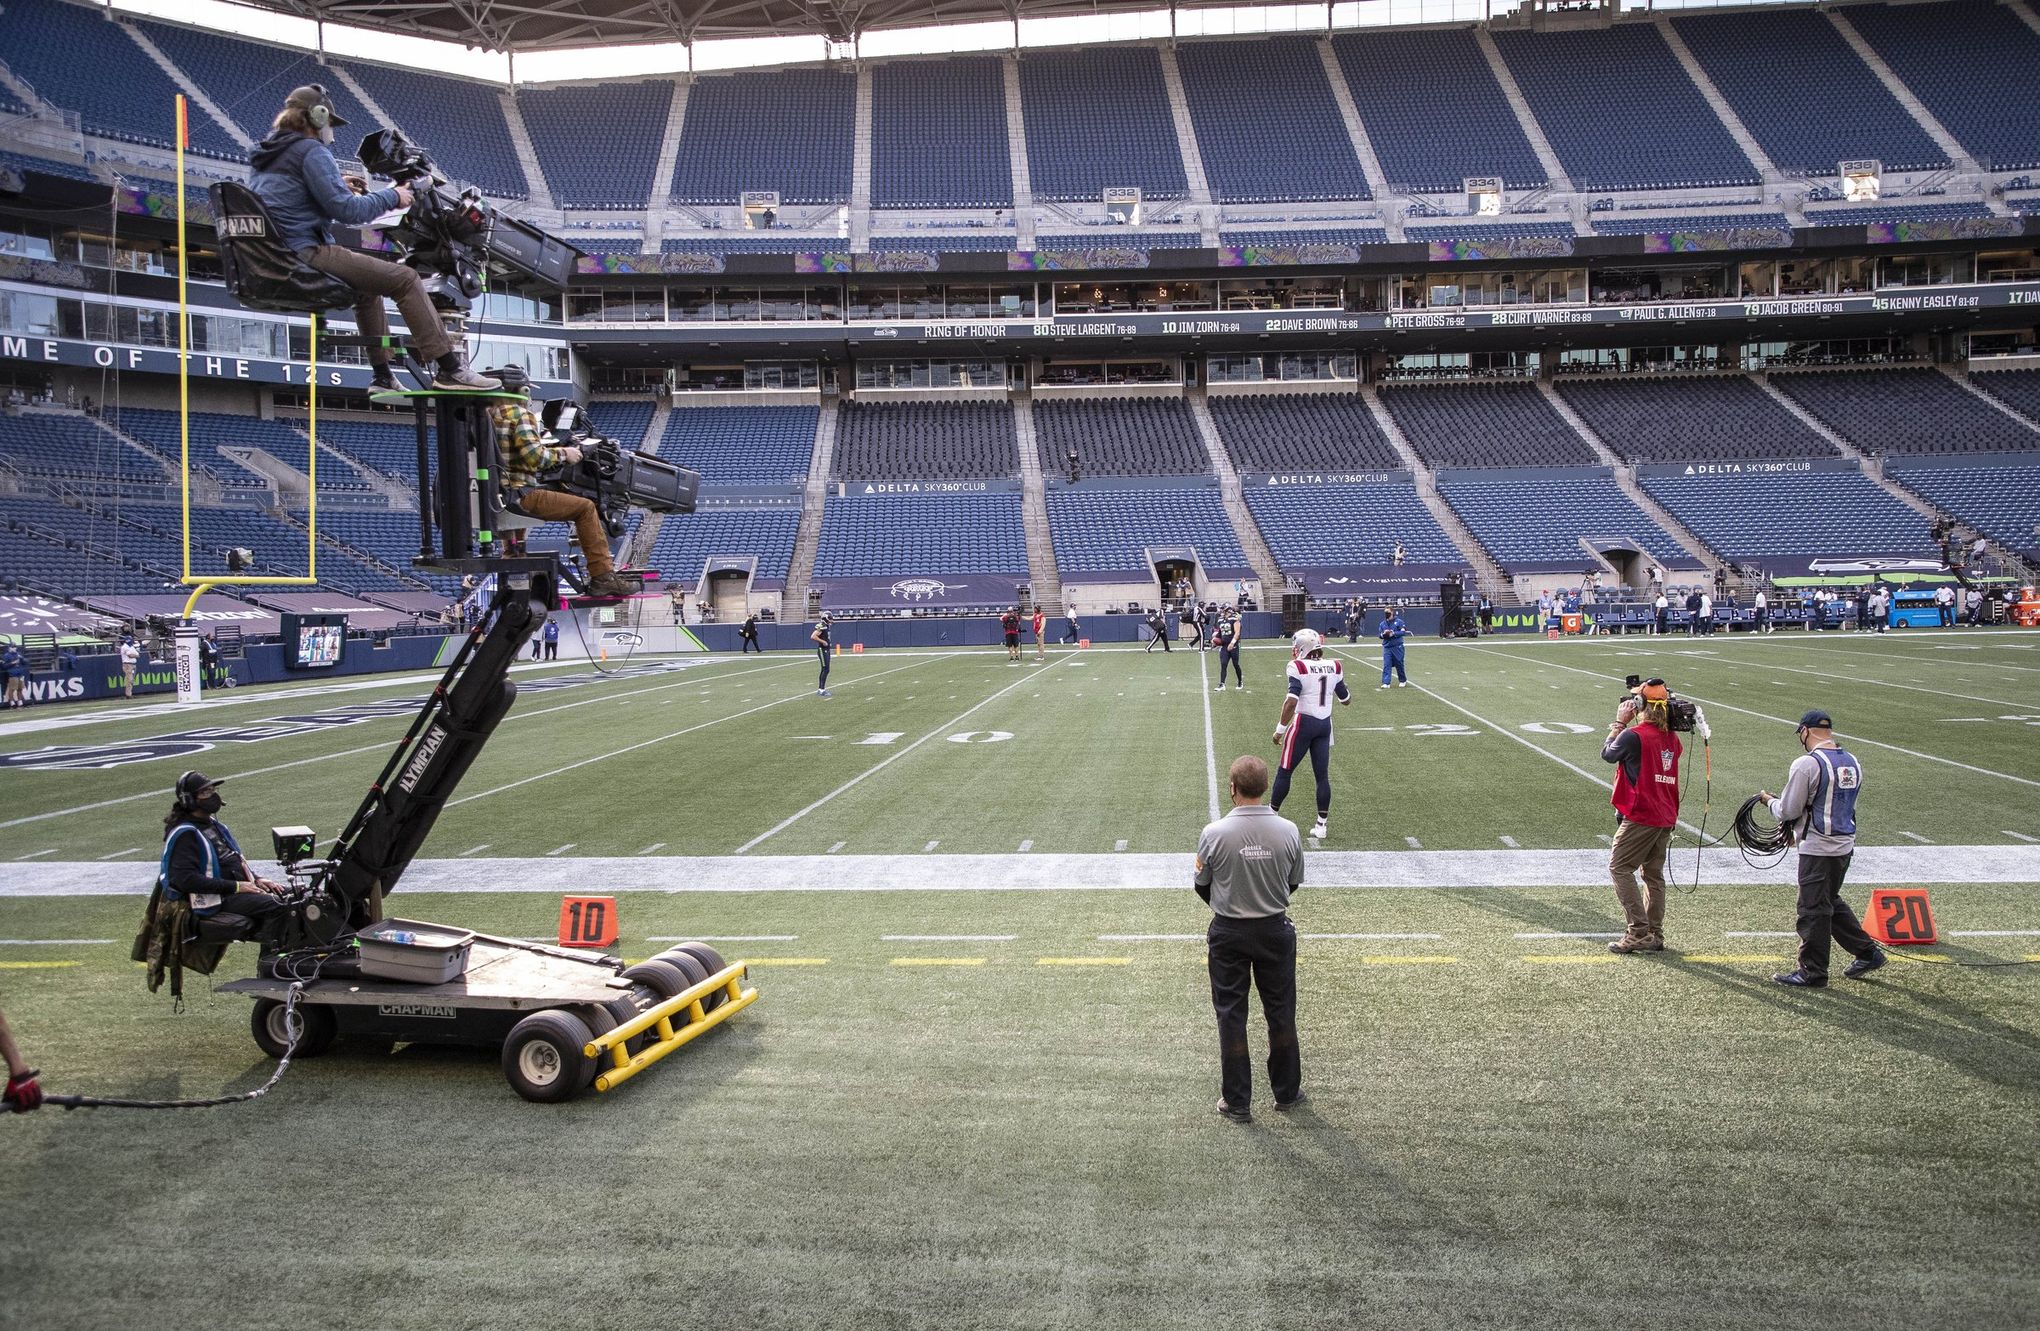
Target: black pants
1230	656
1823	915
1263	951
750	642
1162	637
822	655
552	650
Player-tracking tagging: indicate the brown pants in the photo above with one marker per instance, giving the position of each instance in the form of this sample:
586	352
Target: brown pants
376	278
556	507
1640	850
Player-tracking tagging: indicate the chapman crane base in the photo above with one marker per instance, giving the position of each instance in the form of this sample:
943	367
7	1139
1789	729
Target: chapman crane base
564	1020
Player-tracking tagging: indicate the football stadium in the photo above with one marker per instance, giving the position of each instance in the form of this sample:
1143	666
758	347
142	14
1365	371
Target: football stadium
1044	664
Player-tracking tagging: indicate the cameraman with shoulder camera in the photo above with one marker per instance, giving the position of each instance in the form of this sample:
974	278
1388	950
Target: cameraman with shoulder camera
1646	757
521	454
300	184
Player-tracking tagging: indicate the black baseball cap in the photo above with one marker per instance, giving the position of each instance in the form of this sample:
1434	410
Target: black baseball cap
1816	720
192	783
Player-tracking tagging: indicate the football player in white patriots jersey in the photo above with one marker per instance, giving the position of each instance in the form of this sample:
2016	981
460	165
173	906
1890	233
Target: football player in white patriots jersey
1306	725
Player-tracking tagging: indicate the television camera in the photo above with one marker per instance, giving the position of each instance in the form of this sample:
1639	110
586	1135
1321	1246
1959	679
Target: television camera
617	479
1684	713
452	237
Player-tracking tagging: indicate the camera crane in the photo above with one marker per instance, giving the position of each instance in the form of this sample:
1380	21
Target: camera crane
564	1019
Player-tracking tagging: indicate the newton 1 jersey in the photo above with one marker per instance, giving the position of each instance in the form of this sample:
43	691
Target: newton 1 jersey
1316	684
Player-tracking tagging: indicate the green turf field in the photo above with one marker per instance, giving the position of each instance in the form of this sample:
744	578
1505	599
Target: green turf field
1013	1129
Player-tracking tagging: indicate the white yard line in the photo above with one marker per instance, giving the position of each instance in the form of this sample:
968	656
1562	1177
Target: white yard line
943	729
1760	933
131	850
661	739
1850	679
723	938
1330	870
1922	660
1765	716
1151	938
1382	938
947	938
1915	836
1545	937
1993	933
656	845
2021	836
1210	747
53	942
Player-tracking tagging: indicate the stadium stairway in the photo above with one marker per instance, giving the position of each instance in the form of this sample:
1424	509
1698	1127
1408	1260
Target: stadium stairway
1722	110
1625	480
1873	467
861	149
1356	130
1501	590
1016	154
1958	156
204	488
1534	132
799	573
1251	541
1186	139
527	151
668	161
399	494
1043	574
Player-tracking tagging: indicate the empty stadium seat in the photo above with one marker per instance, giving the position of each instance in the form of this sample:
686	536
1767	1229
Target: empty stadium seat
1972	64
947	242
72	449
913	440
1307	431
765	534
1097	530
598	143
1111	236
1136	436
1488	230
1398	80
2017	389
1528	524
1837	514
212	431
249	80
1606	224
458	121
1099	118
1685	420
1895	212
2000	498
1321	526
938	134
737	446
791	131
1906	411
1261	108
904	535
1485	425
1361	235
76	59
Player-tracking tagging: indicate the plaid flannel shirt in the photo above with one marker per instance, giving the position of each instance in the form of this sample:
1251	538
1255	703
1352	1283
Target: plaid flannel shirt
520	451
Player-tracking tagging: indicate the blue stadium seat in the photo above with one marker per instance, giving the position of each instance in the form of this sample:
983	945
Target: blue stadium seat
1489	230
1528	524
1135	436
1999	498
985	242
1836	514
1109	531
2017	389
1691	420
1906	411
1301	431
1973	64
1261	110
938	134
791	131
458	121
1803	93
904	535
912	440
1583	87
1322	526
1895	212
1485	425
1360	235
598	144
766	534
1403	84
1098	118
75	59
1613	225
746	242
391	448
1112	237
210	431
249	80
739	446
49	167
73	450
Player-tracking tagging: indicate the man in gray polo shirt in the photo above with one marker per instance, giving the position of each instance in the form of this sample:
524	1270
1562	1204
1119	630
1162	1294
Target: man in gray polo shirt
1248	863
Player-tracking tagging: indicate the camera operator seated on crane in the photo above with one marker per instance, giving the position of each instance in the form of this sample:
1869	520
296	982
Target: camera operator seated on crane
299	182
203	865
522	454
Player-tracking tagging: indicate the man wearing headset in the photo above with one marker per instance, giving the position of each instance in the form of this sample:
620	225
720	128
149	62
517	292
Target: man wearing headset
300	184
203	864
1646	756
1817	808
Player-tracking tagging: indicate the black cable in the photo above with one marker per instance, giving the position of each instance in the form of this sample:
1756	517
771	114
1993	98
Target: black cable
291	1023
1763	840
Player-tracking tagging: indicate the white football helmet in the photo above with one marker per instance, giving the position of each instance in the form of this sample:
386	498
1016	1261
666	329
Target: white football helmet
1306	643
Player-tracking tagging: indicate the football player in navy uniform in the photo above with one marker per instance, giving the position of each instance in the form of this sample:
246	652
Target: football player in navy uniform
820	638
1226	637
1306	725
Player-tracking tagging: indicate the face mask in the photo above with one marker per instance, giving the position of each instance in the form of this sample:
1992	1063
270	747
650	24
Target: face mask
210	804
326	136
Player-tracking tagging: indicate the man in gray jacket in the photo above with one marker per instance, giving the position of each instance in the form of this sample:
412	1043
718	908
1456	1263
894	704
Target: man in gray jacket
1817	808
1248	863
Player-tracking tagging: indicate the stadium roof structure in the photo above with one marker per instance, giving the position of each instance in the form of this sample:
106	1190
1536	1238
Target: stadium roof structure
534	25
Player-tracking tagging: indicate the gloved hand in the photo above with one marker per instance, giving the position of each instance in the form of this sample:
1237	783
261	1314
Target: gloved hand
23	1093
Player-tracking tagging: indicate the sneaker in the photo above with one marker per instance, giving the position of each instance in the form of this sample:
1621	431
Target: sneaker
1286	1105
1319	831
821	693
1384	686
1236	1115
1219	689
1862	966
465	379
383	381
1800	980
1403	685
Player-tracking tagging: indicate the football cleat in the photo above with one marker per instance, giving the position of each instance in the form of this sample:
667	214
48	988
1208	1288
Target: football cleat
1320	831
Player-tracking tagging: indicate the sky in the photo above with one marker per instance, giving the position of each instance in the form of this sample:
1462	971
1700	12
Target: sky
632	61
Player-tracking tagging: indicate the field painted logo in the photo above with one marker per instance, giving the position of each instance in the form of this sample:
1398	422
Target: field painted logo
183	743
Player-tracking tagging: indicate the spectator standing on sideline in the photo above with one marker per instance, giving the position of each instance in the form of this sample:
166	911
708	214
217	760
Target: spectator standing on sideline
1706	615
1393	632
1009	626
1817	809
130	657
747	637
1040	633
1944	606
1973	602
1487	613
1693	613
1072	630
1544	608
1352	621
1661	621
1880	607
551	636
1248	864
1762	606
14	666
